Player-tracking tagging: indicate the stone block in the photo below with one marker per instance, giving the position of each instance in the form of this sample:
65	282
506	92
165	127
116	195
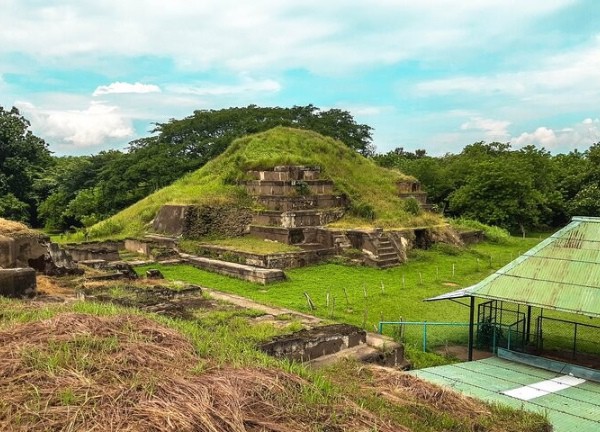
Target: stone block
17	282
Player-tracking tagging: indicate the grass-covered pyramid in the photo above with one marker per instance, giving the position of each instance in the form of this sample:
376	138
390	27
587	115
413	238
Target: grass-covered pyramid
371	189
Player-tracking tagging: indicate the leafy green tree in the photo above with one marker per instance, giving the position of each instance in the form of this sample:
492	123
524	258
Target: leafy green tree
22	160
501	194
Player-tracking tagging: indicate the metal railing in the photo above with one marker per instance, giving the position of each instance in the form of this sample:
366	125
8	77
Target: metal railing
487	335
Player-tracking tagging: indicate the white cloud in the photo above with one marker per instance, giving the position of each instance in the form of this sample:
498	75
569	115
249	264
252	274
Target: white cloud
559	80
327	37
79	128
124	87
494	130
246	86
580	136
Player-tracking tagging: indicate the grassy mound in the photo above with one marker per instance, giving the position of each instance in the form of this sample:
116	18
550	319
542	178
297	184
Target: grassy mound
371	189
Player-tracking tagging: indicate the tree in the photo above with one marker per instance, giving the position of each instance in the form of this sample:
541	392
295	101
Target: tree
500	192
22	160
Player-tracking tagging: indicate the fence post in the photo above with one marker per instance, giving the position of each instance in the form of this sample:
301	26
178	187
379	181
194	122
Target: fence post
509	334
380	328
424	336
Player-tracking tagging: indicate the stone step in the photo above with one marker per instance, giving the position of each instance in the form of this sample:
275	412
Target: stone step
286	173
297	218
378	349
386	250
387	262
290	188
361	353
290	203
311	246
388	255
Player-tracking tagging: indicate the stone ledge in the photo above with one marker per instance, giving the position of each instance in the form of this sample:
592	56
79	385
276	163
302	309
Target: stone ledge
241	271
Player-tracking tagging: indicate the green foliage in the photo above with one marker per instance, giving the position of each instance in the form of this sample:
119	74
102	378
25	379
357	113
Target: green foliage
493	234
518	190
370	188
363	210
587	201
412	206
425	275
23	157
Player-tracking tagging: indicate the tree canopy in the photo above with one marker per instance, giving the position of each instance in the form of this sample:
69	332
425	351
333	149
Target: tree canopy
517	189
80	191
23	157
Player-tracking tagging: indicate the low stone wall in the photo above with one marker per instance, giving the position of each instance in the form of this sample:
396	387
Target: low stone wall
17	251
108	250
306	345
17	282
240	271
290	203
282	235
269	261
192	221
314	187
298	218
471	237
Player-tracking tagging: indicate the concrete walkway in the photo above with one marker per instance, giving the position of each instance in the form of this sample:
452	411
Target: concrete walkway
572	404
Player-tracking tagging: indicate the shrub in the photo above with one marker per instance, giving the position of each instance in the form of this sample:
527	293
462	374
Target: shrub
412	206
363	210
493	233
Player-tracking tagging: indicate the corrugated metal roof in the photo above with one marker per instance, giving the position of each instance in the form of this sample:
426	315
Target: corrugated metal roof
561	273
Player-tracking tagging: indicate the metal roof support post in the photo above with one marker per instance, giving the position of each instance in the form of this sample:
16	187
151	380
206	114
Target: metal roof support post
471	321
528	324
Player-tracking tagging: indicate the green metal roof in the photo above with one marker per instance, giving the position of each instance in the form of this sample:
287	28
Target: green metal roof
561	273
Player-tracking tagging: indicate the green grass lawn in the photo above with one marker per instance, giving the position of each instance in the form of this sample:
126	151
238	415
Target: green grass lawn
249	244
364	296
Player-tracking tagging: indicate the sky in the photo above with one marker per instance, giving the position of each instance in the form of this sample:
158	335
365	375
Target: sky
94	75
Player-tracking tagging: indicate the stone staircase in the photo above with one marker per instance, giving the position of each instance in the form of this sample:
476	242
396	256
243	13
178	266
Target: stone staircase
386	254
296	201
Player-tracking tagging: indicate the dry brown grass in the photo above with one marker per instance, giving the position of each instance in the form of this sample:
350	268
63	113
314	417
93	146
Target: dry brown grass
402	388
13	229
430	403
129	373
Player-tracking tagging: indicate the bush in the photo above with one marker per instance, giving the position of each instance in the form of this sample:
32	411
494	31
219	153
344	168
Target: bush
412	206
363	210
492	233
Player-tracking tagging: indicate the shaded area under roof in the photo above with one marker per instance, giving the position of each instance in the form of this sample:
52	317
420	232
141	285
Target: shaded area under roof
560	273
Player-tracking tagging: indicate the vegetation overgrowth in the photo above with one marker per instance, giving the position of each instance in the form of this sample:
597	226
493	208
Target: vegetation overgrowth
247	244
86	365
364	296
370	188
520	189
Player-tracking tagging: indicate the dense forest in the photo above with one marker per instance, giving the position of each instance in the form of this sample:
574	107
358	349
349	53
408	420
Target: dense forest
518	189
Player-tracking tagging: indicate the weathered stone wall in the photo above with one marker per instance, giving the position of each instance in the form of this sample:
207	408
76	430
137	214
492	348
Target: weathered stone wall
197	221
18	251
17	282
108	250
223	220
270	261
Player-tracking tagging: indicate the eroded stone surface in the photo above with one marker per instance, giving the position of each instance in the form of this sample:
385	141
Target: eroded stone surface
17	282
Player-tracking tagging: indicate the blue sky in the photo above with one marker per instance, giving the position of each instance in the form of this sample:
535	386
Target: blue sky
433	74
